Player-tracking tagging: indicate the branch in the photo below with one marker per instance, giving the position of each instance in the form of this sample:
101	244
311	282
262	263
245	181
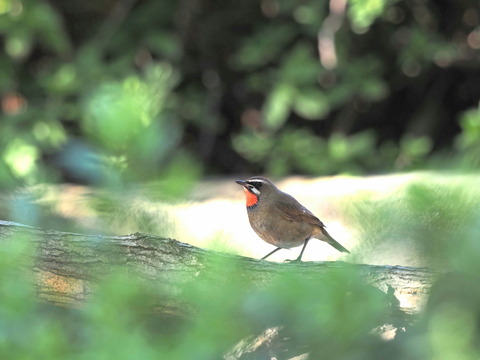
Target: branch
67	265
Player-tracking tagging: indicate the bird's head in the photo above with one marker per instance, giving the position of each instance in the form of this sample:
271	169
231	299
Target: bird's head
256	188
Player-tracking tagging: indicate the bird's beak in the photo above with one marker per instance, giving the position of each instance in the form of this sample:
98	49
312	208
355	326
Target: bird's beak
241	182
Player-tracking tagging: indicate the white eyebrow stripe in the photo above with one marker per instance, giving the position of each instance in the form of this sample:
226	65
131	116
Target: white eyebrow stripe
256	181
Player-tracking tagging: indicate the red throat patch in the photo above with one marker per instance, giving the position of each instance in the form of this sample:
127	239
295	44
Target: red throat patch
252	199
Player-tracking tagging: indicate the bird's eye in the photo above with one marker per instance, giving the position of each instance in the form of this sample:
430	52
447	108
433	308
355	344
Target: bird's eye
254	189
255	184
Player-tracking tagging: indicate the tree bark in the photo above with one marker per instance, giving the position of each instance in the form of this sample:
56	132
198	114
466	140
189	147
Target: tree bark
67	265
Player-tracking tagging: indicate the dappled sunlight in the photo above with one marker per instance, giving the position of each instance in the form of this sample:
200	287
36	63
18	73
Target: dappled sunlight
21	157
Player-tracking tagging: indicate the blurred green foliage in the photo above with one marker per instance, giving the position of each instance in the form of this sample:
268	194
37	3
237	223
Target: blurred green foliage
118	93
432	219
112	91
468	143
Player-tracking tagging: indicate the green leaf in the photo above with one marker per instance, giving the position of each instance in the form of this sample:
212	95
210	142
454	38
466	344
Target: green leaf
264	46
300	67
364	12
277	106
311	104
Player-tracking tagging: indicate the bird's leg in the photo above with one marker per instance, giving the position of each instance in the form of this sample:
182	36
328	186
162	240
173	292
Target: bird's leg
270	253
299	258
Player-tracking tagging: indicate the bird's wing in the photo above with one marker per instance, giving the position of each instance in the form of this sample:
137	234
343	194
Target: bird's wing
292	210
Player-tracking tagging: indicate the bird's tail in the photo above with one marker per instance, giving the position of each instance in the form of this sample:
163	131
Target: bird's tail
330	240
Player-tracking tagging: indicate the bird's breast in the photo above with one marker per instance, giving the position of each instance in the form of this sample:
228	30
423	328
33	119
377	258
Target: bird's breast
279	232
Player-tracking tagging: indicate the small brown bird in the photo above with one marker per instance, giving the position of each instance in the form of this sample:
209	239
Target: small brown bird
281	220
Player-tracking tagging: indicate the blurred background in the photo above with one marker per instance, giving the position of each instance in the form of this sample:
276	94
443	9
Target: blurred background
98	92
118	116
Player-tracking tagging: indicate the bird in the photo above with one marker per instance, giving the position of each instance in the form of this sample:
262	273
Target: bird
279	219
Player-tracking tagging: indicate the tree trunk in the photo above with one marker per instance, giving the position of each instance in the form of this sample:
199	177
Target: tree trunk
68	265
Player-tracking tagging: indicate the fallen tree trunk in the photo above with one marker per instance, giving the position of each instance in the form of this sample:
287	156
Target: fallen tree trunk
67	265
66	268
